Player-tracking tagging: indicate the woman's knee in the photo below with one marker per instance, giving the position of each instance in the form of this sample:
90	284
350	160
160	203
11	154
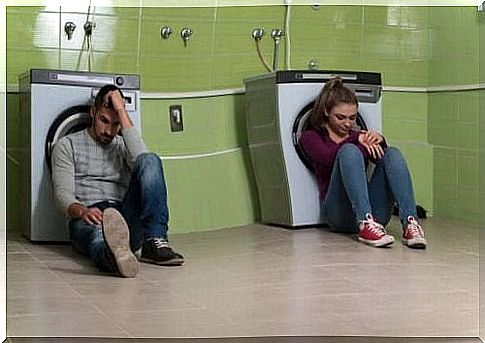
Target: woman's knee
393	155
350	149
350	152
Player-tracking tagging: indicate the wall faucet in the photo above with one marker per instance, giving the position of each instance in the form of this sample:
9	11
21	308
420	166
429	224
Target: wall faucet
165	32
258	34
276	34
185	33
69	28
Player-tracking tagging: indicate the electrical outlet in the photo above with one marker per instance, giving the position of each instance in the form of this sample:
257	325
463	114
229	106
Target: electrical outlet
176	119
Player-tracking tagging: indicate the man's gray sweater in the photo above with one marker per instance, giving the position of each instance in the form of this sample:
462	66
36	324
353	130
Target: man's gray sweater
86	171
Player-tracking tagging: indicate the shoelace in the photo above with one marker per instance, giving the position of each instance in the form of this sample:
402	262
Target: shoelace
414	227
374	226
160	243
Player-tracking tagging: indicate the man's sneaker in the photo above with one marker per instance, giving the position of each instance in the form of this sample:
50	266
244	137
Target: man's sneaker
158	251
117	238
413	234
373	233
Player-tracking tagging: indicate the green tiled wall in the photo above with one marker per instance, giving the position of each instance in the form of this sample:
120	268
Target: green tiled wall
405	124
453	117
221	53
454	45
204	192
410	46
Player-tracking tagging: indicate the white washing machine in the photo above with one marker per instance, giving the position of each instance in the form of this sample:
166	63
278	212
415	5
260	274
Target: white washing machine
53	103
278	105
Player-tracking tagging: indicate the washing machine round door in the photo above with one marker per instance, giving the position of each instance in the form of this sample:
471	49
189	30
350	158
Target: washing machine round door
301	123
71	120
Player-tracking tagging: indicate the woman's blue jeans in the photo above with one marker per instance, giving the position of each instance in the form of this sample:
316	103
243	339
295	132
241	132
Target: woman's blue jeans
144	208
350	196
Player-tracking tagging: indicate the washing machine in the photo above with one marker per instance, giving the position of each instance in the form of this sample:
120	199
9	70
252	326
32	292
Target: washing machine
52	104
278	105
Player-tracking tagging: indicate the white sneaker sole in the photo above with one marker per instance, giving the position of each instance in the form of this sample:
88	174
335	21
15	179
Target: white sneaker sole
381	243
415	243
117	237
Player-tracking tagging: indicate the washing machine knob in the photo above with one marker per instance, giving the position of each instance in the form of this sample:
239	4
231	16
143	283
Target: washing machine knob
119	81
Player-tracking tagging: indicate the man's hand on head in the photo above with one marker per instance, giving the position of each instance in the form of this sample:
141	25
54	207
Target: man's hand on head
118	104
115	100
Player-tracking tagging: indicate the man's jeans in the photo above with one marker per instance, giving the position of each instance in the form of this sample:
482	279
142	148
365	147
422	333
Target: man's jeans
144	208
350	197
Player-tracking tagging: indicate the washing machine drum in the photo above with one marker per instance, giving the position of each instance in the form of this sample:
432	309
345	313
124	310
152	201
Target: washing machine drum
302	123
71	120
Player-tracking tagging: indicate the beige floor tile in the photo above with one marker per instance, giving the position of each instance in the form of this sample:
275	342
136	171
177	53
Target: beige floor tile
47	305
254	280
39	290
61	325
131	301
181	323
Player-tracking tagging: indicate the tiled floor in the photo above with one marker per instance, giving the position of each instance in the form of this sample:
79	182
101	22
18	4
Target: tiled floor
254	281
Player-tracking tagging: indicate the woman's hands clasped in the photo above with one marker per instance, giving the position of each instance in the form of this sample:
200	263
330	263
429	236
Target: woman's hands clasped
371	140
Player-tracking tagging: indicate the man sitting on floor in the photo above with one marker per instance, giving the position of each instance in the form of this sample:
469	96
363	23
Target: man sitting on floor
113	191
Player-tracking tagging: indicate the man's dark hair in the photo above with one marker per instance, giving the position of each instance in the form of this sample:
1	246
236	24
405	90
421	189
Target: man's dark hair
98	101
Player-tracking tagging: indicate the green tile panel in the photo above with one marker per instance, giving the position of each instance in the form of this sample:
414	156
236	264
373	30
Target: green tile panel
445	201
234	26
405	116
445	167
467	206
29	27
20	60
453	119
467	136
455	183
406	130
115	33
105	62
454	33
203	195
467	170
469	106
419	158
210	125
406	106
232	71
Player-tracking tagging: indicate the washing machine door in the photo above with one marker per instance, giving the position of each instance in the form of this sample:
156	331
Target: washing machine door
302	122
71	120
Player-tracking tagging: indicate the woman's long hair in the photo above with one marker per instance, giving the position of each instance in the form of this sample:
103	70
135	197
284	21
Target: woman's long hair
332	94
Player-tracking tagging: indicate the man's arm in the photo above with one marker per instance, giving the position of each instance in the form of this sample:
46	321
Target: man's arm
133	141
118	103
63	175
64	185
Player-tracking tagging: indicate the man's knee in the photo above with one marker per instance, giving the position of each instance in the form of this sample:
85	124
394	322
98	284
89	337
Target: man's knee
148	160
